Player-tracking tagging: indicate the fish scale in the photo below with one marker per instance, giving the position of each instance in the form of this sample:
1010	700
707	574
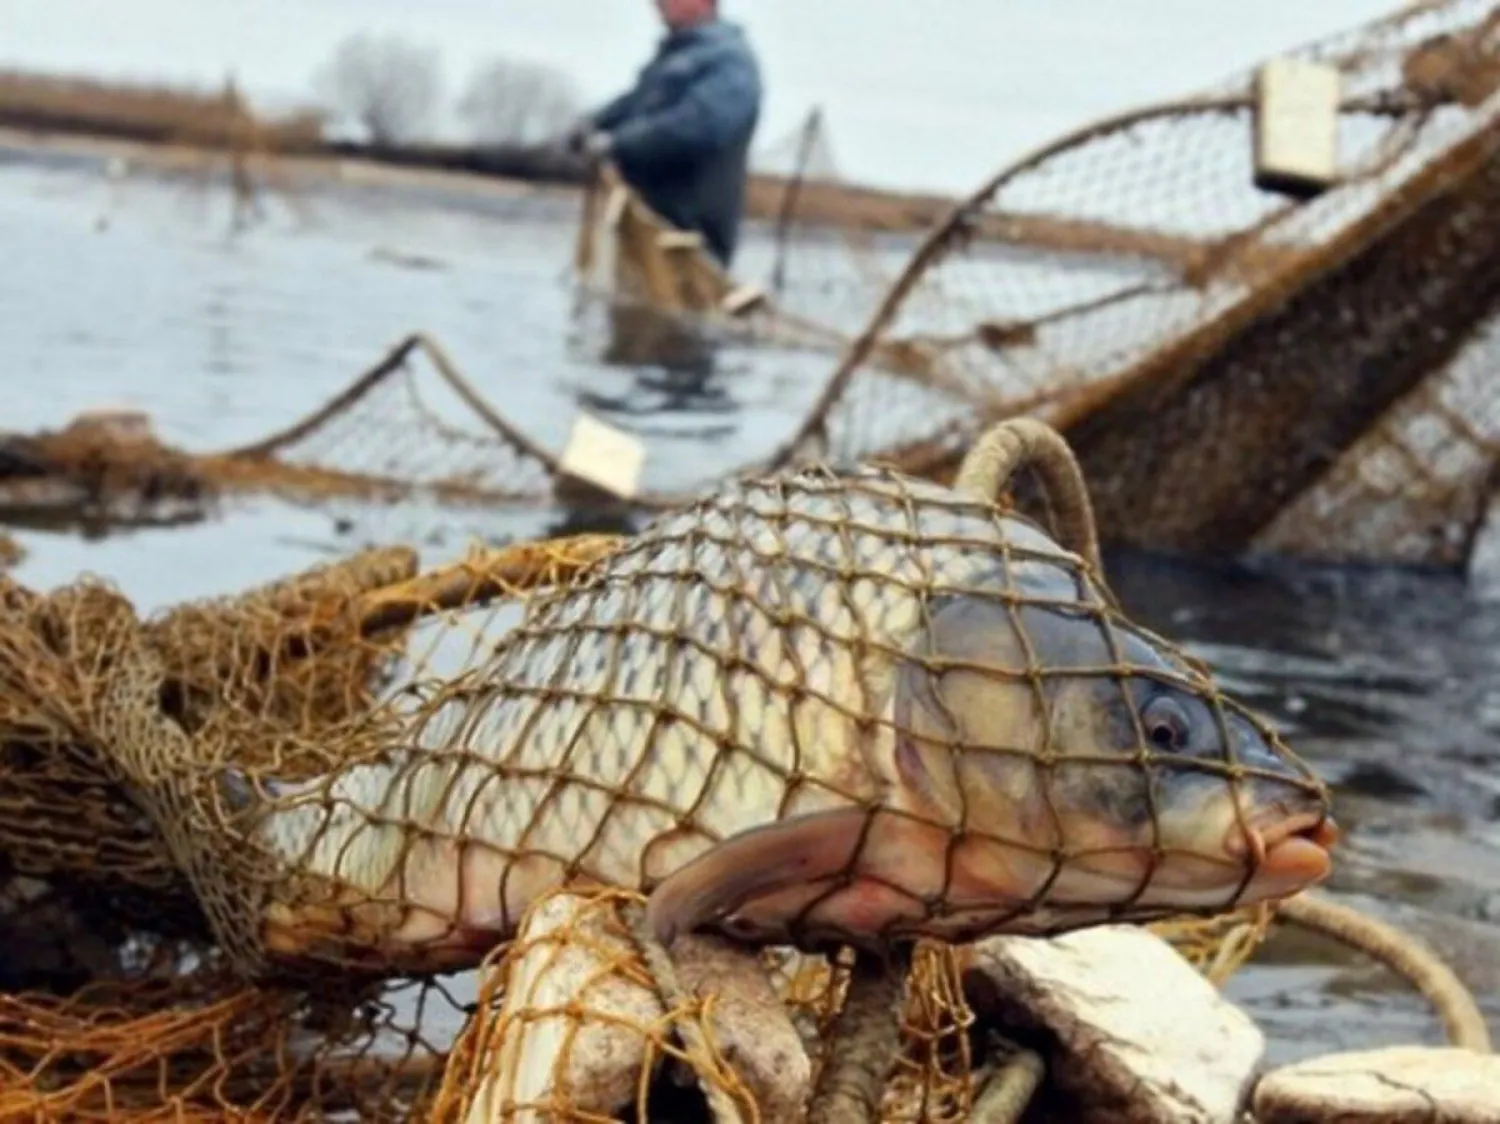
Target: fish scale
717	674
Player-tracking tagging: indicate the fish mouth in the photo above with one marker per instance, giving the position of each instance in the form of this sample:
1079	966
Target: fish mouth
1275	855
1286	853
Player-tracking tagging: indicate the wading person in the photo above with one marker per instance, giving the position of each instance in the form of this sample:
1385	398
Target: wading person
681	137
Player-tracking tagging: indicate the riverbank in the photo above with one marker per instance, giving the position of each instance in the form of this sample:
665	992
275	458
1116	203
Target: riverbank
151	125
170	129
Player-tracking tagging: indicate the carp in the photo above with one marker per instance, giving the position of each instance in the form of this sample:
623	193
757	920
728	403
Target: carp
806	709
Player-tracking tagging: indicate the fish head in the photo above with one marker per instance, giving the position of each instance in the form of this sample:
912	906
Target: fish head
1083	768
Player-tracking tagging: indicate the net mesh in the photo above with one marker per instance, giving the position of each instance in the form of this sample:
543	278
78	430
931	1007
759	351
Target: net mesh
411	429
818	250
1298	363
661	290
327	820
1418	487
411	432
829	257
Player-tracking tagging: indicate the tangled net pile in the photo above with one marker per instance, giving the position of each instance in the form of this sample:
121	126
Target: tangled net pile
227	888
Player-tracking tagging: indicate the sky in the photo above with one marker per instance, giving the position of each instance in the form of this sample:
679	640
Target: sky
935	96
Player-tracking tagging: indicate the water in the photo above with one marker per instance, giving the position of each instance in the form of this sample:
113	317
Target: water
130	292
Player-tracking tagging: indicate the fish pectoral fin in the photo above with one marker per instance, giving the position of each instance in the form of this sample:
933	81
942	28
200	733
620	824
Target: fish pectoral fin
762	860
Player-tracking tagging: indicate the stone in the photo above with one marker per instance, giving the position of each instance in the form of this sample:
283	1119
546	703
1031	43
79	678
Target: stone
750	1027
569	1018
577	1020
1131	1032
1395	1085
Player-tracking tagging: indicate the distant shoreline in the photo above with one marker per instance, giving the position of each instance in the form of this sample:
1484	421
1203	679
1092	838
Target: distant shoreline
171	129
164	157
166	128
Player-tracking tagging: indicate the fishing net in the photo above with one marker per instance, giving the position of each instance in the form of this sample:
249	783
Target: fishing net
1418	487
409	431
831	249
121	998
816	254
1236	368
662	290
314	814
232	676
409	436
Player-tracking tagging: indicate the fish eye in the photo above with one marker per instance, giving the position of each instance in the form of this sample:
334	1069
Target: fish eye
1166	724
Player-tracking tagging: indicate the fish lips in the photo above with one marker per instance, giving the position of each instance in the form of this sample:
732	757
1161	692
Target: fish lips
1285	852
1272	855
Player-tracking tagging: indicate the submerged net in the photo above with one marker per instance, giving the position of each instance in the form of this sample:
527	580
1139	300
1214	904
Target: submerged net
315	810
1236	368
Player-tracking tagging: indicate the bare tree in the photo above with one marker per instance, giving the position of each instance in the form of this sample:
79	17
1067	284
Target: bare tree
510	101
391	88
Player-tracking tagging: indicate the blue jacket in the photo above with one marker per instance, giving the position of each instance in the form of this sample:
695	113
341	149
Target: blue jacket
681	137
